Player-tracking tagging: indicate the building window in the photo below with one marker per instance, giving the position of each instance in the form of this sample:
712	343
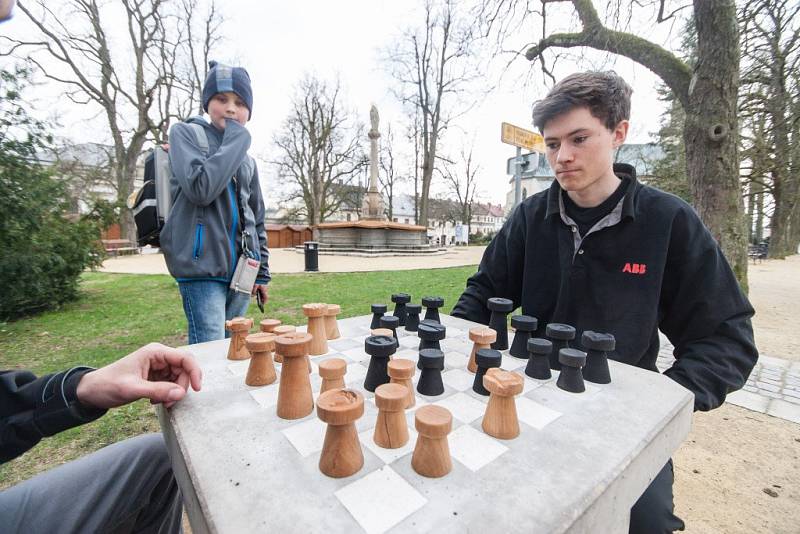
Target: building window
406	221
394	220
348	216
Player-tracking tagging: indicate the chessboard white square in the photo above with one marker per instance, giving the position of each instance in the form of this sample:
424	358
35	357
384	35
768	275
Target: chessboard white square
239	368
388	455
357	354
266	396
407	354
474	449
307	437
380	500
463	407
510	363
344	343
534	414
456	360
409	342
458	379
355	373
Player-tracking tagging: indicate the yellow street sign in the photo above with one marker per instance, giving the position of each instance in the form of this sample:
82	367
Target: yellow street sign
514	135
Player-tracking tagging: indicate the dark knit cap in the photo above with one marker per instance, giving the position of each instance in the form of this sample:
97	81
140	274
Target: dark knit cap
225	79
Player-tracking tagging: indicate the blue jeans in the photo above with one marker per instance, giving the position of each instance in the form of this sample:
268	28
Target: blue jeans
208	304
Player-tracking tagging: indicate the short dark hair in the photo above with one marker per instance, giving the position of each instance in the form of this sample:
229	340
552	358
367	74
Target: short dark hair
604	93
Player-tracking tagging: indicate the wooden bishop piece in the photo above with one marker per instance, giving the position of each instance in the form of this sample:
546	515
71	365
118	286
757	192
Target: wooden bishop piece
261	371
341	451
500	419
238	327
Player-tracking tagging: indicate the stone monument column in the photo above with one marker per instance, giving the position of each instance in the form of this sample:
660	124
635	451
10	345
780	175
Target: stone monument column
372	207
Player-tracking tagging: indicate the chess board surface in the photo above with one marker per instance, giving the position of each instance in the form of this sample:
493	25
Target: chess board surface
580	460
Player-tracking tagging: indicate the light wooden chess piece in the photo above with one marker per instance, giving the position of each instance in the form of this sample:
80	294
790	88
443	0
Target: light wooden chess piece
279	331
381	332
331	326
261	370
500	419
482	338
391	430
341	451
431	456
332	372
294	391
238	327
268	325
401	372
316	327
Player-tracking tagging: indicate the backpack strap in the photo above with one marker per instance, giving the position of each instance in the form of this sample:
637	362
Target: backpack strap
200	136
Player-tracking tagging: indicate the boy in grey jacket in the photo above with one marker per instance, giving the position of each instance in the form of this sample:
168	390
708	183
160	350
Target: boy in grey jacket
217	213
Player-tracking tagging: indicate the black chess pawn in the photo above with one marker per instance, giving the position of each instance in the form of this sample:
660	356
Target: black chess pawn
571	379
432	305
412	316
538	362
560	335
380	348
391	322
485	359
377	312
525	325
430	380
400	300
500	308
430	334
597	347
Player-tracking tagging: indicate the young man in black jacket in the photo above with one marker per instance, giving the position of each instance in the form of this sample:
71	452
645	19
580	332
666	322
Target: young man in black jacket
603	252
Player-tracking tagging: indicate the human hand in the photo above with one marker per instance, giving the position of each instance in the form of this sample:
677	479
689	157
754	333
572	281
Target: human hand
259	288
156	372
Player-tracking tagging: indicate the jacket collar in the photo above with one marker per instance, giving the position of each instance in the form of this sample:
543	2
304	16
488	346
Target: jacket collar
623	170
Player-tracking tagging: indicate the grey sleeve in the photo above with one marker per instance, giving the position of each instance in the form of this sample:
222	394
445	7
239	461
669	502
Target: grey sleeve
203	178
256	202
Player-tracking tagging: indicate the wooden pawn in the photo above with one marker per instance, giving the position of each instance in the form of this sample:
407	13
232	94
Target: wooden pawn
279	331
331	325
238	327
341	451
500	419
482	338
401	372
332	372
269	325
391	430
431	456
316	327
294	391
261	370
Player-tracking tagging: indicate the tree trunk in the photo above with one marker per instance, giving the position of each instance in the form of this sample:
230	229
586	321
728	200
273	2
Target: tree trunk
711	132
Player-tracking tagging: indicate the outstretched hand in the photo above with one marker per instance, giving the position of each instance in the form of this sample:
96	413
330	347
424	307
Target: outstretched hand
156	372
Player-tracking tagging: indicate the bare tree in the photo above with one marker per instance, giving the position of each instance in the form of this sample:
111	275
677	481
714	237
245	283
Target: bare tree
434	65
413	136
73	48
320	150
462	183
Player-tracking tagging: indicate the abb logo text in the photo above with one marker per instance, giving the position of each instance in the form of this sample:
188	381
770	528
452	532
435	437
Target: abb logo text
634	268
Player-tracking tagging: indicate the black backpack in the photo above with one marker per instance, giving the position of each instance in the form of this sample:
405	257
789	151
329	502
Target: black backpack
151	204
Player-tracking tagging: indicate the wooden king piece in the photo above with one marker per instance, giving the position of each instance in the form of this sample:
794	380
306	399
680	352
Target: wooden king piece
238	327
500	419
294	391
316	327
341	451
482	337
261	371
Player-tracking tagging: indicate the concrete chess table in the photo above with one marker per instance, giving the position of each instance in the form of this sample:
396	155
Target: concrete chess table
579	464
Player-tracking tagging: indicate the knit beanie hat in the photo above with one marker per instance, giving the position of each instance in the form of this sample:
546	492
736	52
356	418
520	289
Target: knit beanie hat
224	79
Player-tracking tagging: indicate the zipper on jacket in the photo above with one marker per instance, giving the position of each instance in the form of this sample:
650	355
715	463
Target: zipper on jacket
234	226
198	240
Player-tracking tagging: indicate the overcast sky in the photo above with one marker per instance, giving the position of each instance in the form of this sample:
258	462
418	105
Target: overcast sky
280	41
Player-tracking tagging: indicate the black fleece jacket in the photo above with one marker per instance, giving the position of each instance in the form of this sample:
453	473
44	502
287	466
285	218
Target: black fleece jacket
657	268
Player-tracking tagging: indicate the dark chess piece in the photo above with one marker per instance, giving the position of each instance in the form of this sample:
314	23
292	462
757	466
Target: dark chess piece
377	312
380	348
412	316
431	361
430	334
400	300
597	347
432	305
391	322
538	366
560	335
525	326
500	308
571	379
485	359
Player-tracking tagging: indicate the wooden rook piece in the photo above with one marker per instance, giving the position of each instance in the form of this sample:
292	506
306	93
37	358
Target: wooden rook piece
597	347
432	305
238	327
525	325
400	300
401	372
261	370
486	359
431	361
412	317
571	379
538	366
560	335
294	390
430	334
482	337
332	372
500	308
500	419
391	430
380	349
431	456
331	326
316	327
279	331
341	451
391	322
377	312
268	325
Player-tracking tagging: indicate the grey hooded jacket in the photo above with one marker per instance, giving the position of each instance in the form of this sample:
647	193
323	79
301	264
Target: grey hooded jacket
202	238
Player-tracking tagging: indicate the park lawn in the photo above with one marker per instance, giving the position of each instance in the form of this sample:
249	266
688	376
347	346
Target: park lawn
118	313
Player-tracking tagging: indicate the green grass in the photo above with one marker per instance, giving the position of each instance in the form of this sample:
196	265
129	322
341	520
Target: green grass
117	314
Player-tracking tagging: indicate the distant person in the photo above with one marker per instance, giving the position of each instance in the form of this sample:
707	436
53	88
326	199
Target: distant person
125	487
216	222
603	252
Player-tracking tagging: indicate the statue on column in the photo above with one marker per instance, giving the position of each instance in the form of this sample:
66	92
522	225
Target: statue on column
372	207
